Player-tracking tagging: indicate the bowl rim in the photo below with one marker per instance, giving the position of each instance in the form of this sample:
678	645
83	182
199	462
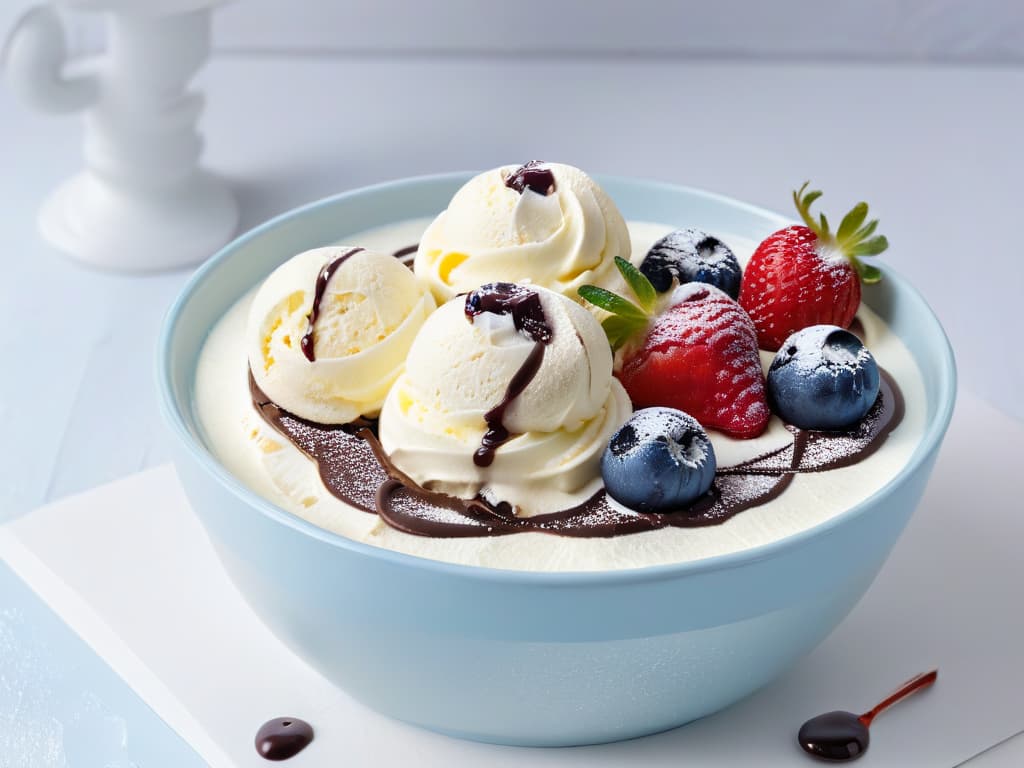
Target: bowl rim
175	420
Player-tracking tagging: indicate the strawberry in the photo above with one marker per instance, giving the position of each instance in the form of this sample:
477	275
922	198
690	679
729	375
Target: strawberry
698	354
805	275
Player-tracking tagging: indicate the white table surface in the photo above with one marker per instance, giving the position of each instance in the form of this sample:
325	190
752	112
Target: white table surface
935	150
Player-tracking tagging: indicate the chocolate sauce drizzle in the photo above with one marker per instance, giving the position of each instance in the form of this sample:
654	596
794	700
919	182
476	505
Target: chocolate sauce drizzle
528	318
355	469
533	175
326	273
407	254
283	737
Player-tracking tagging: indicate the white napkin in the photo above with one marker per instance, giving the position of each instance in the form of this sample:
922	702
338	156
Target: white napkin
129	568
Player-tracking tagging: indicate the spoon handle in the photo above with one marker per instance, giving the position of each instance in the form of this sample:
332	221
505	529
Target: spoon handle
912	685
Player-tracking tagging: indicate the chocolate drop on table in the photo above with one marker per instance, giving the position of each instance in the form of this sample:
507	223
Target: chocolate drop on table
283	737
841	735
834	736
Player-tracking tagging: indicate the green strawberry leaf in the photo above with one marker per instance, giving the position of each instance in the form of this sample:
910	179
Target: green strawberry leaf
853	239
823	234
866	231
852	221
642	288
803	203
611	302
871	247
867	273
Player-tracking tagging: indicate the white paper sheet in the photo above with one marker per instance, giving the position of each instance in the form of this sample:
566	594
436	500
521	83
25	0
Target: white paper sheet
129	568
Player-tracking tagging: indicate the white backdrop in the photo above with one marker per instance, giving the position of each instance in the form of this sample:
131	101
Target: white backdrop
977	31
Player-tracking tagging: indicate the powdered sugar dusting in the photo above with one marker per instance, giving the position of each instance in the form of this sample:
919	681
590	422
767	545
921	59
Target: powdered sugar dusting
681	434
709	344
405	504
824	348
687	255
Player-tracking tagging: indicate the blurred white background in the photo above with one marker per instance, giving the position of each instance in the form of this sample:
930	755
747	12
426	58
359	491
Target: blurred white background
975	31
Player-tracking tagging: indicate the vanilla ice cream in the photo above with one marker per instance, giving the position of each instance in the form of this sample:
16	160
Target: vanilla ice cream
272	466
560	234
329	331
460	367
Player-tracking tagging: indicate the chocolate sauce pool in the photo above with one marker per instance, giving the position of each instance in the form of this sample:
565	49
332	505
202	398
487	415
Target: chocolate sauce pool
355	469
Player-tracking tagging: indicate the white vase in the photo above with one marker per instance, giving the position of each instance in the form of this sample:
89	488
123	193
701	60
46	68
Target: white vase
142	203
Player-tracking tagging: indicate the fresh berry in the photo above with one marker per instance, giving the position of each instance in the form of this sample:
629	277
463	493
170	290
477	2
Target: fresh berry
823	378
659	461
692	256
807	275
699	354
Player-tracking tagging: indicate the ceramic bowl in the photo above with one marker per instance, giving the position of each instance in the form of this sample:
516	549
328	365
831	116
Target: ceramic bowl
520	657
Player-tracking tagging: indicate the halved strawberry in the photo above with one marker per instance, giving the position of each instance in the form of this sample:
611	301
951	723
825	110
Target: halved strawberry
806	275
698	354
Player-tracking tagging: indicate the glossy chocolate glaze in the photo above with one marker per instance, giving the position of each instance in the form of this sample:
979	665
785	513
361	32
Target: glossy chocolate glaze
322	279
834	736
843	735
355	469
283	737
497	433
533	175
511	299
528	318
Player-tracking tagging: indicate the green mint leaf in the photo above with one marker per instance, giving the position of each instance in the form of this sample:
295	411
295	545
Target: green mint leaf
620	329
611	302
638	282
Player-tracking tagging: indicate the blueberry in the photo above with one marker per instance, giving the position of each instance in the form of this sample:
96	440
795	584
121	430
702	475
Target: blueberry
660	460
823	377
692	256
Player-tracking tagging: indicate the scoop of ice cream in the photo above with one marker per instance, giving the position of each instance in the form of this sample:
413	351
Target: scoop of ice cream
468	360
544	223
329	331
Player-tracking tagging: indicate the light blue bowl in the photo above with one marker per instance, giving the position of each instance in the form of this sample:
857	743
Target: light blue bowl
533	658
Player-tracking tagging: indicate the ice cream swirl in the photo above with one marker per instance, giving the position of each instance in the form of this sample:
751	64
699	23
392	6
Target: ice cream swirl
329	330
435	417
494	230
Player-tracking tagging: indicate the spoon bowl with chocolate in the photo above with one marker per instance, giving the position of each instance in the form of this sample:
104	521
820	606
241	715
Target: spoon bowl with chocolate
390	409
